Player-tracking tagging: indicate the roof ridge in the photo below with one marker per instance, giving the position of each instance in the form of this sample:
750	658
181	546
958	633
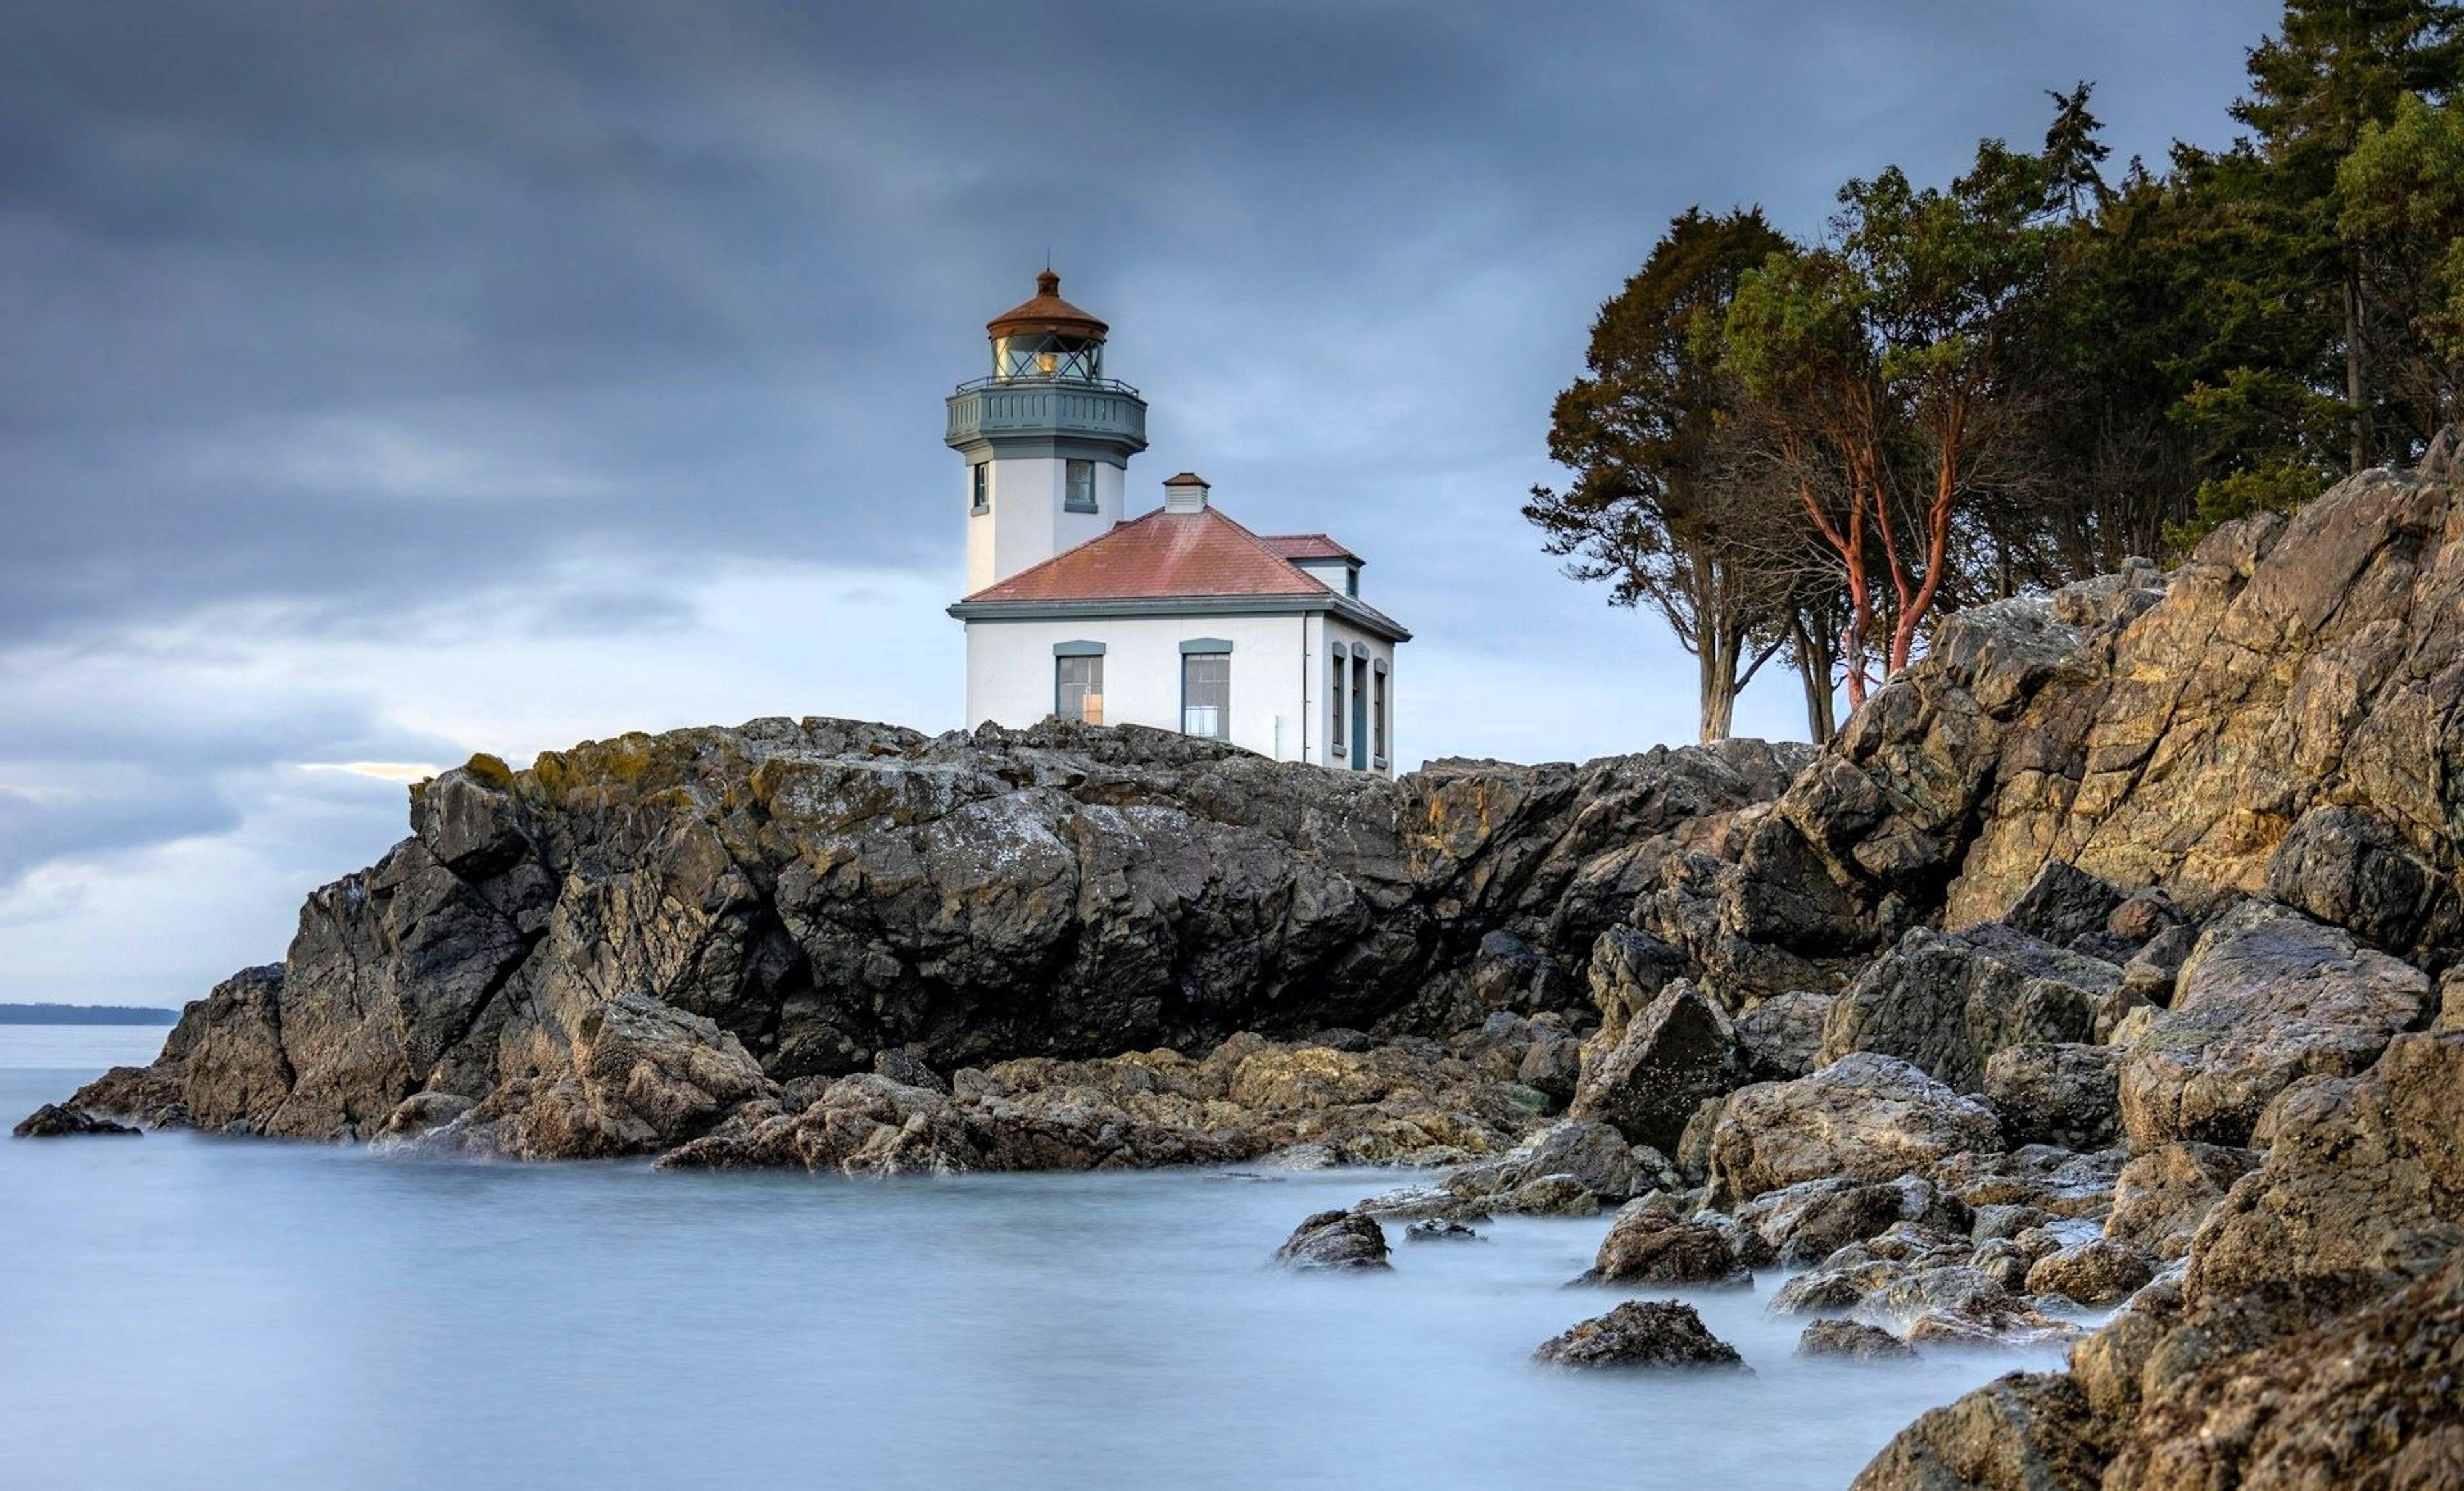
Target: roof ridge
1242	528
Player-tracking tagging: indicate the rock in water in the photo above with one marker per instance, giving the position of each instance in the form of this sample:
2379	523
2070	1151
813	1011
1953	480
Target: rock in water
1854	1341
1644	1247
1335	1240
1640	1334
52	1121
2025	1431
1440	1229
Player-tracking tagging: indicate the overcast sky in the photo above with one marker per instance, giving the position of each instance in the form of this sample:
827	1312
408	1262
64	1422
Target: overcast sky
386	383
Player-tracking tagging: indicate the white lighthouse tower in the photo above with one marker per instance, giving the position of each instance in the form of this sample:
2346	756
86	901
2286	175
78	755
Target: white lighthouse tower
1178	618
1047	438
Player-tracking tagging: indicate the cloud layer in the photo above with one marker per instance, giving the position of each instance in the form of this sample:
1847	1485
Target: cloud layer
392	382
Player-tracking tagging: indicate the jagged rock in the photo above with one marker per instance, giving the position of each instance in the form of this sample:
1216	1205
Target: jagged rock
1673	1055
149	1095
1813	1220
1640	1334
2054	1179
52	1121
1948	1002
1851	1341
1867	1116
2349	868
1628	970
1547	1196
1780	1038
2023	1431
2374	1398
2065	1093
2062	904
2361	1191
2007	1219
2099	1271
2160	1196
1552	1066
1644	1247
2141	916
1509	973
909	1068
1335	1240
2268	997
824	890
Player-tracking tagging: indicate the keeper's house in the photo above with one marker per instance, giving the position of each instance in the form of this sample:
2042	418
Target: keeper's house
1178	618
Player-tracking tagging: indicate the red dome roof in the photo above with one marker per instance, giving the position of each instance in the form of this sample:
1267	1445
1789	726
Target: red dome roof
1048	312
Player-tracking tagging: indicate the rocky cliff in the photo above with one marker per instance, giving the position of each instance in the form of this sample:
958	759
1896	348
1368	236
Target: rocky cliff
624	943
2109	957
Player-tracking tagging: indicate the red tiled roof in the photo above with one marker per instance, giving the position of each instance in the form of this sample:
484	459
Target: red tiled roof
1305	546
1162	556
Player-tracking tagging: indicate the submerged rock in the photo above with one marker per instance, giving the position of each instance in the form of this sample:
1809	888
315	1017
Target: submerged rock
1336	1240
1852	1341
1640	1334
52	1121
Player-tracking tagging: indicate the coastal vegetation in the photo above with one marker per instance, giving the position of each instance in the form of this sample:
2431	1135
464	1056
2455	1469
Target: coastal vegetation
1810	451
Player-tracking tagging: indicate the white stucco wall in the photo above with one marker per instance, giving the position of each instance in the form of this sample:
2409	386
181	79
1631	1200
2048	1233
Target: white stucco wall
1326	635
1010	672
1026	524
1278	673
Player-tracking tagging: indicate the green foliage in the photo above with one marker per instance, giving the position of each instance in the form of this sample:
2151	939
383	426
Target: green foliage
2022	376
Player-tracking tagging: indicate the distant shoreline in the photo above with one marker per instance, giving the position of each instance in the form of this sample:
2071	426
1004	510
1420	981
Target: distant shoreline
86	1014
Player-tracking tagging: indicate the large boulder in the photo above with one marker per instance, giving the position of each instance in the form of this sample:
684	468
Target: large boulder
1864	1117
1644	1247
1780	1039
2350	869
2162	1196
1673	1055
1813	1220
2268	997
1949	1001
2056	1092
1337	1239
2363	1189
2374	1398
1640	1334
2024	1432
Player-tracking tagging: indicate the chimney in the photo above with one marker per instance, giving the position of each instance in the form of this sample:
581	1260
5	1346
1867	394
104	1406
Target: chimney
1185	493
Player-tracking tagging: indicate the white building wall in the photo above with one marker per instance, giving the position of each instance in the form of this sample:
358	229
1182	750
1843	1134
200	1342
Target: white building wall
1326	634
1027	523
1010	673
1281	706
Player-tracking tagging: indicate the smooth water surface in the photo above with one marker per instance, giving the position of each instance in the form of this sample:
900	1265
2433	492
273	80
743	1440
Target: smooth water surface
183	1311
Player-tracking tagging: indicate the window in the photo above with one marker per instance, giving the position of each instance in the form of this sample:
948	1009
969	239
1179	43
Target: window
1352	581
1078	689
1081	495
1040	355
1334	675
1206	695
1378	713
979	478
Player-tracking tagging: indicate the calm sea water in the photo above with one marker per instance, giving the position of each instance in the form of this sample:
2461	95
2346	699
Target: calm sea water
183	1311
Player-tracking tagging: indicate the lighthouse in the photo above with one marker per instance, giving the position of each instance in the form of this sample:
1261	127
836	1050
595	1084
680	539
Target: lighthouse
1047	436
1178	618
